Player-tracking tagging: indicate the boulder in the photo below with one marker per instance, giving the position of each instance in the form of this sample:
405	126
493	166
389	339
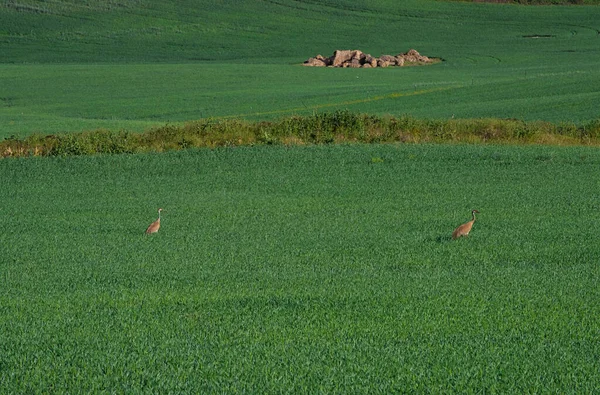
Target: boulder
370	61
413	56
355	63
391	60
358	55
341	56
315	62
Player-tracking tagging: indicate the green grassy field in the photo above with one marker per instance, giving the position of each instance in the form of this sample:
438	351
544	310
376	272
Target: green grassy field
133	66
302	269
311	269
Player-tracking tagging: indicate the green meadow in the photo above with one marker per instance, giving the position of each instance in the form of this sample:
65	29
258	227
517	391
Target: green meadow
288	265
304	269
130	66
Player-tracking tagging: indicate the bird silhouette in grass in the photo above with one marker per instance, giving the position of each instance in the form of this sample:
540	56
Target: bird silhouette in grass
464	229
154	226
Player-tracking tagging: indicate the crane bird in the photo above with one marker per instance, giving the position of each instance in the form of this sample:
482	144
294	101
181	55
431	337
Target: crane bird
154	226
465	228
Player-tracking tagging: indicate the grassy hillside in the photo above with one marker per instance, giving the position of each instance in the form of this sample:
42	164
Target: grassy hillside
71	66
323	268
302	269
133	31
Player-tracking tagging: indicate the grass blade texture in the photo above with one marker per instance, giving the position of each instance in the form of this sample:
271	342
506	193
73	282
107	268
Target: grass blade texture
304	269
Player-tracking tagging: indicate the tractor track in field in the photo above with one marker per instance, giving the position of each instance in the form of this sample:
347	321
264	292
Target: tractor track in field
575	32
476	59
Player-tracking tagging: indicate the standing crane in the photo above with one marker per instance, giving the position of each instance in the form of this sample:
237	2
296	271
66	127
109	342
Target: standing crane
154	226
465	228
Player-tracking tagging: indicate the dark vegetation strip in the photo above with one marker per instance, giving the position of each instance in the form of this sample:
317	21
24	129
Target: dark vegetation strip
319	128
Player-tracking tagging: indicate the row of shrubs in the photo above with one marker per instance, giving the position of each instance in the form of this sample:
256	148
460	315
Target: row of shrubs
319	128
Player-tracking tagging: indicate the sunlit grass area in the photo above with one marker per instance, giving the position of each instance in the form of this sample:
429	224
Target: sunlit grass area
133	66
303	268
305	238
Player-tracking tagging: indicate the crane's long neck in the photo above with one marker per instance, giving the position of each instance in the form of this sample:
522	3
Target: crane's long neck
473	213
159	215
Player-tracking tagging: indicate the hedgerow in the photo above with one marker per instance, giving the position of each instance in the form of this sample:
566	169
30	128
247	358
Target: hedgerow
319	128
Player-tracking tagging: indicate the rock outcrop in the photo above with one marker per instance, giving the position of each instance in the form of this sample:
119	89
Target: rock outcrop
356	58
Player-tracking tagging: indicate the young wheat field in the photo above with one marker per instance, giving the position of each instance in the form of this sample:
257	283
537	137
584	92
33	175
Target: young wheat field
290	258
323	268
131	65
